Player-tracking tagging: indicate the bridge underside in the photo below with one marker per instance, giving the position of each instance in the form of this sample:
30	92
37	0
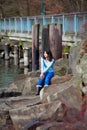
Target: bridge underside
27	37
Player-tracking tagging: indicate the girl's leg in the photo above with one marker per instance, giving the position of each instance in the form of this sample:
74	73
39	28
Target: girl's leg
39	85
48	78
38	90
40	82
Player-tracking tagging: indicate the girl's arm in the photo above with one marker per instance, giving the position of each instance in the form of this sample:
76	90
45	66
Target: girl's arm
42	65
51	63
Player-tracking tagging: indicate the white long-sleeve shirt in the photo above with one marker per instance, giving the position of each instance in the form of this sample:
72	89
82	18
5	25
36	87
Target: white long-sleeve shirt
47	66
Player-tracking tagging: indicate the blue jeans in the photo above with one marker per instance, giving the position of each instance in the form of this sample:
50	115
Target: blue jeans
46	80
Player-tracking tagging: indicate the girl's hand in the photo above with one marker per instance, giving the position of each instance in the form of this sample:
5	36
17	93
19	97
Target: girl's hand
41	75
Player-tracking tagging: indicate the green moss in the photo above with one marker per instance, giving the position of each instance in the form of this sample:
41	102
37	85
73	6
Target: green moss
66	49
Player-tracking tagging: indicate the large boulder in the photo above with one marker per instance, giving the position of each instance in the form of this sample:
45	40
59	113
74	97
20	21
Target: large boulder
24	84
68	93
61	66
26	117
60	79
30	86
74	56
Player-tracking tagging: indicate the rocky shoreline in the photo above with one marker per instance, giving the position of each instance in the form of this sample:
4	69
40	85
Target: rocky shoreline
63	105
29	112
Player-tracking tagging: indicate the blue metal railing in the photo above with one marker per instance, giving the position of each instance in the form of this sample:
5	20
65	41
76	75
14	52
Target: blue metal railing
72	23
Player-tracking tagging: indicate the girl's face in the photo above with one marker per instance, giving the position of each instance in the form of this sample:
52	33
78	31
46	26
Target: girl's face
45	54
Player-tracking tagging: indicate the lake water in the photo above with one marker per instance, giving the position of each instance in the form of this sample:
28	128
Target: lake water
8	72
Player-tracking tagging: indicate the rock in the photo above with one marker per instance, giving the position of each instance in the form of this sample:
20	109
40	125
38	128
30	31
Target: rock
60	79
19	82
24	84
3	116
84	90
22	101
11	91
49	126
82	68
34	74
66	92
10	94
30	86
26	117
74	57
4	113
60	102
60	70
7	104
62	62
61	66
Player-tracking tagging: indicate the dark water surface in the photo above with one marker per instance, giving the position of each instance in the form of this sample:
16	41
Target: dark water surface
8	72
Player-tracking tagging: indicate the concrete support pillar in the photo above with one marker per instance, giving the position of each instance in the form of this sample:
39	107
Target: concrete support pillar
26	57
16	54
26	69
7	51
35	47
20	52
7	63
55	38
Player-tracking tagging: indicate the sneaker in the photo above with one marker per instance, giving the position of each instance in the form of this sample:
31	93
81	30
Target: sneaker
45	85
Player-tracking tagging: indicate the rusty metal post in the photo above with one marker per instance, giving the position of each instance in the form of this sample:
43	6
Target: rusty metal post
35	47
55	38
45	38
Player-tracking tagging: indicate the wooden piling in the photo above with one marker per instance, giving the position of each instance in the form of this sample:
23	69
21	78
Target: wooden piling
55	39
45	38
35	47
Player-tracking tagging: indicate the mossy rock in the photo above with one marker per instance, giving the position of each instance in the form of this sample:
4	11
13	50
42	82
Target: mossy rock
60	71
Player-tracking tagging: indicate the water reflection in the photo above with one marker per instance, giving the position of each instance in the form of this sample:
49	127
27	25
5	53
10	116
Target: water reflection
8	71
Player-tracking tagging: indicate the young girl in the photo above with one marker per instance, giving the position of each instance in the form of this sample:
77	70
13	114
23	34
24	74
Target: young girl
47	71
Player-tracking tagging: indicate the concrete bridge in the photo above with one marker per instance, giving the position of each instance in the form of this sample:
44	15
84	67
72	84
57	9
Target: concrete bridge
20	28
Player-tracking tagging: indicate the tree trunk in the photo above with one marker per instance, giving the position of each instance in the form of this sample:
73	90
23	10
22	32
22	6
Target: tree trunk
2	11
28	7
